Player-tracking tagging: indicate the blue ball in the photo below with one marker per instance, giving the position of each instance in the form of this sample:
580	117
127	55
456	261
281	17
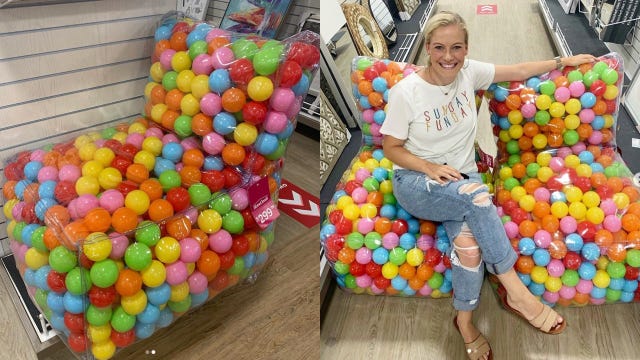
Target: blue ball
596	167
287	132
399	283
302	86
448	274
536	288
534	83
337	195
590	251
162	33
630	285
379	117
75	304
224	123
380	256
249	260
446	287
586	157
413	226
525	278
159	295
172	151
199	298
26	233
379	84
526	246
388	211
504	123
407	241
55	302
364	102
403	214
587	270
598	293
327	230
46	190
558	196
616	283
266	143
31	170
262	257
500	94
30	277
380	174
385	96
144	331
219	80
626	296
213	163
408	291
40	278
20	187
195	36
149	315
161	165
574	242
587	100
43	205
597	123
57	322
166	318
541	257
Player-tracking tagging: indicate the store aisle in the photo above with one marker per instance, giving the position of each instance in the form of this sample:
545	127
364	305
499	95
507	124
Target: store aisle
368	327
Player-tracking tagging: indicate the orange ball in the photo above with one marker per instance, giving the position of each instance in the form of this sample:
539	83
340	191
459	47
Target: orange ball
634	208
129	282
98	220
178	41
527	96
382	225
530	129
424	272
201	124
555	140
550	223
615	183
57	216
160	47
179	227
557	249
347	255
513	101
74	233
233	154
561	81
525	143
603	238
541	209
584	131
30	193
375	99
630	222
233	99
556	126
208	263
632	193
124	220
8	190
168	118
427	227
598	179
365	155
160	209
190	175
365	88
173	98
530	185
415	283
153	188
407	271
51	238
158	94
600	107
519	170
216	43
633	238
193	157
581	299
137	173
376	198
357	76
527	228
524	264
617	252
502	195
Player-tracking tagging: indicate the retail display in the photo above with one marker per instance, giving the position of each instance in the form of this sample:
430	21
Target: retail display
119	231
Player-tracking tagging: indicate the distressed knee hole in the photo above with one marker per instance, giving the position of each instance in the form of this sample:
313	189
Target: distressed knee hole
466	253
482	199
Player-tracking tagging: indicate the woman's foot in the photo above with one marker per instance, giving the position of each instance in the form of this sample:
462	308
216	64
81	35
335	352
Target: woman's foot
476	345
536	313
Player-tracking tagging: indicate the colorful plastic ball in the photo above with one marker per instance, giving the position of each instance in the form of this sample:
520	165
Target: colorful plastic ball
233	222
260	88
265	61
609	76
291	75
137	256
222	58
209	221
104	273
177	273
266	143
219	81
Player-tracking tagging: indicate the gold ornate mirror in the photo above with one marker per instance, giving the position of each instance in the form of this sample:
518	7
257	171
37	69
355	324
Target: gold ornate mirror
364	31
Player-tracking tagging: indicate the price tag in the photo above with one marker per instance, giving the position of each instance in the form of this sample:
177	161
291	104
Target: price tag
262	208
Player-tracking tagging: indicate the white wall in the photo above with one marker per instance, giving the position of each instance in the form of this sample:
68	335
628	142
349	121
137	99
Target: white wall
67	68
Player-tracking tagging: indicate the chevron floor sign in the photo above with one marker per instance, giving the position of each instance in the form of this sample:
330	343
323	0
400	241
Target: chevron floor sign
299	204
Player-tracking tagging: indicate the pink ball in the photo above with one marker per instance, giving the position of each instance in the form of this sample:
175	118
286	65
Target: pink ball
73	209
202	65
367	116
239	199
595	138
294	109
584	286
190	143
47	173
564	151
179	166
37	155
177	273
562	94
153	132
100	142
135	139
375	129
568	224
363	255
554	74
511	228
16	211
216	32
577	89
407	71
191	213
608	206
376	290
69	173
390	240
425	290
362	174
500	211
281	99
586	116
189	250
579	147
364	281
595	301
213	143
170	138
541	194
275	122
211	104
612	223
556	164
165	59
111	200
22	250
119	244
365	225
555	268
86	203
542	239
359	195
220	241
551	297
197	282
222	58
567	292
425	242
441	267
528	110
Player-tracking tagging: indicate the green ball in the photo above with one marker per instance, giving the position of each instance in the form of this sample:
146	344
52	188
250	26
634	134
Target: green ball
574	75
372	240
197	48
513	159
182	126
266	61
570	137
389	198
41	298
505	219
611	171
350	281
589	77
243	48
363	63
98	316
355	240
62	259
108	133
121	321
510	183
237	267
137	256
78	281
599	67
371	184
570	278
397	256
222	204
616	269
547	87
613	295
180	306
169	179
633	258
148	233
609	76
37	239
532	169
542	117
17	231
104	273
436	280
233	222
169	80
199	194
341	268
269	236
272	43
366	129
279	152
513	147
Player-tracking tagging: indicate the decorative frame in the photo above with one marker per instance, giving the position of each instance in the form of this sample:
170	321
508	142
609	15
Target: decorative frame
262	17
358	16
390	36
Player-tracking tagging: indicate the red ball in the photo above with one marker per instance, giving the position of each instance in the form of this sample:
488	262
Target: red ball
112	144
121	163
334	242
84	261
123	339
381	282
612	106
241	71
555	183
74	322
632	273
583	183
240	245
373	270
77	342
519	215
214	180
304	54
370	73
13	172
380	66
231	177
55	281
289	73
587	230
399	226
102	297
249	220
432	257
254	162
126	187
605	191
502	109
572	260
598	87
357	269
64	192
509	205
128	150
29	213
351	185
254	112
227	259
179	198
343	225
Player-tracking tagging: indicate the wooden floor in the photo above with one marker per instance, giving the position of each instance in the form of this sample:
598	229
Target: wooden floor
277	317
379	327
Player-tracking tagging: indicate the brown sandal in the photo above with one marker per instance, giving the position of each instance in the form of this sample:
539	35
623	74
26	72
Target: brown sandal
545	321
478	347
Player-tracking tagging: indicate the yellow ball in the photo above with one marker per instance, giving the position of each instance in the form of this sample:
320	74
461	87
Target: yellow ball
368	211
572	106
86	151
504	136
515	131
10	228
189	105
621	200
98	334
601	279
591	199
389	270
351	212
343	201
553	284
595	215
544	173
505	173
543	102
181	61
556	109
573	193
137	128
608	120
539	141
602	263
245	134
518	192
87	185
134	304
611	92
154	275
371	164
148	88
200	86
8	207
97	246
145	158
527	202
156	72
104	155
92	168
120	136
260	88
515	117
386	163
578	210
539	274
571	121
36	259
544	158
82	140
386	187
179	292
103	350
157	111
153	145
584	170
415	257
109	178
559	209
183	80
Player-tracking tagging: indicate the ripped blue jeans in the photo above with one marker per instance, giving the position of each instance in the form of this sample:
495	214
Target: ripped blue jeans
465	209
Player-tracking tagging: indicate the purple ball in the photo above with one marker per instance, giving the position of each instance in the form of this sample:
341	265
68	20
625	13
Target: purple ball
281	99
202	65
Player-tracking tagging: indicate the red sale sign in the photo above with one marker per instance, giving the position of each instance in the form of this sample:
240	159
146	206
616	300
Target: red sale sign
491	9
299	204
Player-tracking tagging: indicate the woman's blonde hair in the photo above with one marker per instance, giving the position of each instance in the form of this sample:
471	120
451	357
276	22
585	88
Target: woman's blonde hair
445	18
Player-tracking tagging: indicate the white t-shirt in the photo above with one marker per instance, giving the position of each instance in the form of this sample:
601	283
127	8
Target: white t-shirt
437	127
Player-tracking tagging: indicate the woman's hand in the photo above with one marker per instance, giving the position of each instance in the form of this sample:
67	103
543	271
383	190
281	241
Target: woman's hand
579	59
442	173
